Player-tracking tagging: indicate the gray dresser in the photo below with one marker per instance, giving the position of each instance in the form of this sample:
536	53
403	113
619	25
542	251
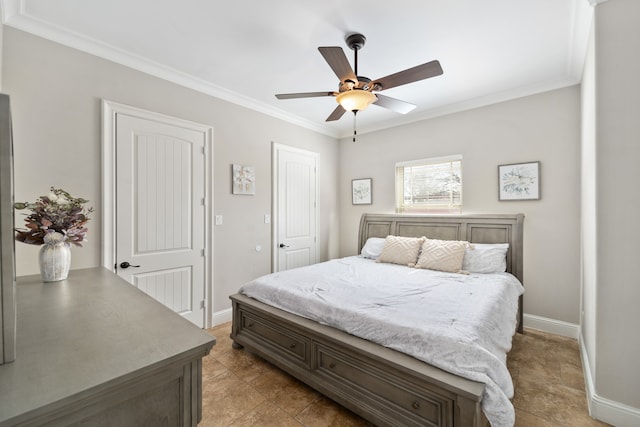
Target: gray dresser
94	350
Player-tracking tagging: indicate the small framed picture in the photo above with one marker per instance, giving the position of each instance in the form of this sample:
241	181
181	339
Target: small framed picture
361	191
519	181
243	179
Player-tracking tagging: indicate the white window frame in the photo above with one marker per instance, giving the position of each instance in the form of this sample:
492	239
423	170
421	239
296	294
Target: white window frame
452	207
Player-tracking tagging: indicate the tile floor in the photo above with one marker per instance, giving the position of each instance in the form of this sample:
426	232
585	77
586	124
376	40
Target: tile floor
240	389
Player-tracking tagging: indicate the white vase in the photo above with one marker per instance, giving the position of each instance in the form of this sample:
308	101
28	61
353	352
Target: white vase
55	260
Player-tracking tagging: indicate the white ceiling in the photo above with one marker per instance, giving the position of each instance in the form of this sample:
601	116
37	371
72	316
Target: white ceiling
246	51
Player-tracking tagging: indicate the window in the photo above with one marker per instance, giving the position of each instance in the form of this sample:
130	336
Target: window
429	185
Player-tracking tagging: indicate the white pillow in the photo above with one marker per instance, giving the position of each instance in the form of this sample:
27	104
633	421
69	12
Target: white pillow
442	255
401	250
485	258
373	247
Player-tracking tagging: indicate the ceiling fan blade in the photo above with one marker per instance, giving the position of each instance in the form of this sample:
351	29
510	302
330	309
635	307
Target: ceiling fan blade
336	114
302	95
393	104
420	72
339	63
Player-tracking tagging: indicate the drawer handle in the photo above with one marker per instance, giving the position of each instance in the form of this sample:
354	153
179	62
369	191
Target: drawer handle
332	365
293	345
250	324
415	405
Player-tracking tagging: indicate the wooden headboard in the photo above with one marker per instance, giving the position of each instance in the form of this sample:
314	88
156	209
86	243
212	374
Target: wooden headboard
472	228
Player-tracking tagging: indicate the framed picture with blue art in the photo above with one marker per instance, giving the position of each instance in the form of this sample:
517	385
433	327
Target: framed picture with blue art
519	181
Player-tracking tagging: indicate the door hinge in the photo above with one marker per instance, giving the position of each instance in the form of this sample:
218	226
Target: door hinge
203	252
204	150
204	201
202	304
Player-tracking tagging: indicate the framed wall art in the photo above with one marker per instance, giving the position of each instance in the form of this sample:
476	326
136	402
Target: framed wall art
244	179
519	181
361	191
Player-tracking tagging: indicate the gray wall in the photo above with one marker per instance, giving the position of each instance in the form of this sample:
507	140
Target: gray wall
616	125
543	127
56	93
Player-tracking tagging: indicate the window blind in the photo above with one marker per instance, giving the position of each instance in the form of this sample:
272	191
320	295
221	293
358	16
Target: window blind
429	185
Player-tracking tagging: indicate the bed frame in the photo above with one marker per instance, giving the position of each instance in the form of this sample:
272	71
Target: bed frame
384	386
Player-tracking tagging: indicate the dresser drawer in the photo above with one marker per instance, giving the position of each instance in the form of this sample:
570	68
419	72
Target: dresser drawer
286	342
386	390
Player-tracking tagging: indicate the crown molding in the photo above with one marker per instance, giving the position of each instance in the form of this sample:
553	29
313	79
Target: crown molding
14	15
11	8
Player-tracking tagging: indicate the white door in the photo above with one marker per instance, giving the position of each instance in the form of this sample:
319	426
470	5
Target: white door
160	212
295	207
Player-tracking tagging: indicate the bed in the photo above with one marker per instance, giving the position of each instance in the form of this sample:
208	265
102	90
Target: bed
383	385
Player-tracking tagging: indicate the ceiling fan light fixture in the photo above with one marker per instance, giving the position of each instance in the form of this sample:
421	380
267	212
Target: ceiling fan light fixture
356	99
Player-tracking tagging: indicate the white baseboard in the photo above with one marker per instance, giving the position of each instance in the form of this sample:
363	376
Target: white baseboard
614	413
220	317
603	409
552	326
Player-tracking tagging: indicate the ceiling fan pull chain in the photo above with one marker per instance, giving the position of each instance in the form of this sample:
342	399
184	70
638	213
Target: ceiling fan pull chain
355	112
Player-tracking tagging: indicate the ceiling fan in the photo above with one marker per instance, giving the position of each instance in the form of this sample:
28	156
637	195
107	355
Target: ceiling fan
355	93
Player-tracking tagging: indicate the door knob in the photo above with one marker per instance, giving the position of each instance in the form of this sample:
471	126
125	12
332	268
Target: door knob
126	264
282	245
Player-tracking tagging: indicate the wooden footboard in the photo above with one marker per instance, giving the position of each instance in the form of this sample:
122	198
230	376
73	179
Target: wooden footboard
381	385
